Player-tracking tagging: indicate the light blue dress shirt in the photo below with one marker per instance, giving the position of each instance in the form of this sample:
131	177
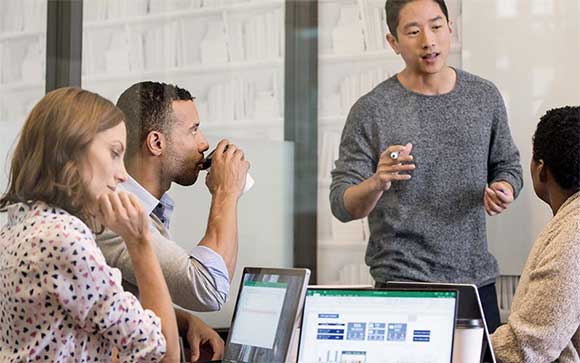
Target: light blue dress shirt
163	209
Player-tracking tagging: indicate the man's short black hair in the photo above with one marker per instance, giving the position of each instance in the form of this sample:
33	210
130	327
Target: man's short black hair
148	107
393	10
557	142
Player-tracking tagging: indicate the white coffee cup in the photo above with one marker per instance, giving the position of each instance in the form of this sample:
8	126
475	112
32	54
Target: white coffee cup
468	341
249	183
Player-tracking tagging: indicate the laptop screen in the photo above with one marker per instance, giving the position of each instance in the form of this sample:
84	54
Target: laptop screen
366	326
265	314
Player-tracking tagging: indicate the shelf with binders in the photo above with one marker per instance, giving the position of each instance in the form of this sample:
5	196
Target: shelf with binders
272	129
22	19
20	86
222	68
22	35
22	69
274	122
22	63
15	106
103	14
270	132
217	42
229	56
22	55
242	105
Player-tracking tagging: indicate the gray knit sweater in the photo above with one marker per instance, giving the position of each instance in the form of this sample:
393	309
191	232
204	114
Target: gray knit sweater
432	227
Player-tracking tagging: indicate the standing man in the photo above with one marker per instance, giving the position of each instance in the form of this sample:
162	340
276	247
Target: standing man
423	155
165	146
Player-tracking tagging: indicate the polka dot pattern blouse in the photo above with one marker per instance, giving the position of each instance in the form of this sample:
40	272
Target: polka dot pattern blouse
59	301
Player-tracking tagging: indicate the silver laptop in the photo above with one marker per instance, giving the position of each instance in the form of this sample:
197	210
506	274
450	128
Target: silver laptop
266	314
377	325
469	308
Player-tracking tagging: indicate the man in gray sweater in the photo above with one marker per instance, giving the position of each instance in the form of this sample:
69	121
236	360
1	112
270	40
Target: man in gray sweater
423	155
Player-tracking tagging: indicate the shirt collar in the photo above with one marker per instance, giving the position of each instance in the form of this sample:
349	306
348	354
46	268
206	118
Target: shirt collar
148	201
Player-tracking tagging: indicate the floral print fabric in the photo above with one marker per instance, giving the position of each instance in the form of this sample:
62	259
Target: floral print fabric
59	301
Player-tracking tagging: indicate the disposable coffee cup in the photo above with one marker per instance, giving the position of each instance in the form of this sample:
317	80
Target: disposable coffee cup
249	183
207	164
468	341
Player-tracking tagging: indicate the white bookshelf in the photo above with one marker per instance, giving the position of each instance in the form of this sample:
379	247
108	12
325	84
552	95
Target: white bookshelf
228	54
160	16
22	58
22	54
12	35
20	86
354	57
231	68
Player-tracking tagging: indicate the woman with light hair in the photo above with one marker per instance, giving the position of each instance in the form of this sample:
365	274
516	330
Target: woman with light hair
59	301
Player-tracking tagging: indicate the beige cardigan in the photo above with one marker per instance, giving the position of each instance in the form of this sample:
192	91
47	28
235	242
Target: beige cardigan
544	323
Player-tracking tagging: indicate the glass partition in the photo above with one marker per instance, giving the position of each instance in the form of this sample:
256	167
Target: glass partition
529	49
354	57
230	56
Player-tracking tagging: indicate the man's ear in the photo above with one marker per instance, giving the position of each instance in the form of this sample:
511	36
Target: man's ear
393	43
542	171
155	143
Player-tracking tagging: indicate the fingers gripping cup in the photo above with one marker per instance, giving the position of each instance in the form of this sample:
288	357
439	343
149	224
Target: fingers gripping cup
207	164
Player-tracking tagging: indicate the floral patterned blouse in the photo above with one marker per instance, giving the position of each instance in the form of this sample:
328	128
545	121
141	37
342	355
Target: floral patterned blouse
59	301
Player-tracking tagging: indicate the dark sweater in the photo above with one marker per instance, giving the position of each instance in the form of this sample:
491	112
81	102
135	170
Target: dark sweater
432	227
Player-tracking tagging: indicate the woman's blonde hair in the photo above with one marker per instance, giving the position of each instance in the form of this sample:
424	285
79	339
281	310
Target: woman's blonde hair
55	138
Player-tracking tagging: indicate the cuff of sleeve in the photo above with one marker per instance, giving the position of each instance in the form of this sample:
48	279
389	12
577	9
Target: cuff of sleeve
337	203
505	346
215	265
514	182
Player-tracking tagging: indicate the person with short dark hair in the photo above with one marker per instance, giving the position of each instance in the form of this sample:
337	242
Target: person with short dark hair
393	10
164	146
424	155
544	320
148	106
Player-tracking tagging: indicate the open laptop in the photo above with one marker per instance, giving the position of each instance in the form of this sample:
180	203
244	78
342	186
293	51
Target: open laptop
469	308
341	325
266	314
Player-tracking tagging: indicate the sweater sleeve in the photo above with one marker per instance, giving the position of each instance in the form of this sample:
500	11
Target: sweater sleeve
190	283
357	159
541	327
504	157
